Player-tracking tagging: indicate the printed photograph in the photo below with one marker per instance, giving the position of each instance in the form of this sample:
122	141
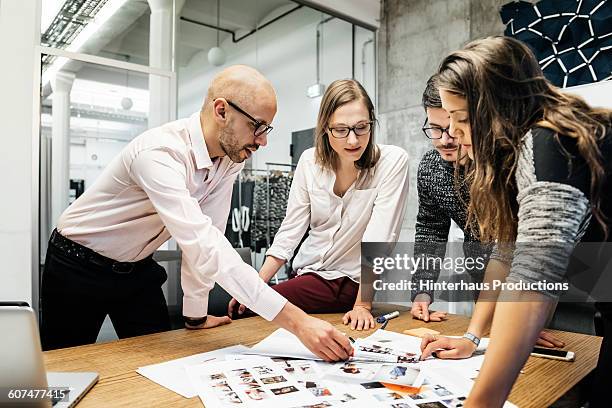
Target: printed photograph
375	348
417	397
284	390
250	383
455	402
263	370
218	376
408	358
232	398
347	398
304	367
273	380
425	393
372	385
356	371
388	396
240	371
435	404
322	404
221	386
318	390
397	374
441	391
256	394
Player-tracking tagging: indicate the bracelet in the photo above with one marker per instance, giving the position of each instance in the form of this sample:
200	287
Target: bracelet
195	321
473	338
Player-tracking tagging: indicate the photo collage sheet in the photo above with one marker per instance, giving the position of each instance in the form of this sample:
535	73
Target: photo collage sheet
378	375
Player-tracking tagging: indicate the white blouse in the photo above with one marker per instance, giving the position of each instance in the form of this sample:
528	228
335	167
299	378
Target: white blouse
370	213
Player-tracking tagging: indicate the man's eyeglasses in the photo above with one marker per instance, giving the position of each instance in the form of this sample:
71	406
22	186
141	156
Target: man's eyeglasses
435	132
261	128
360	129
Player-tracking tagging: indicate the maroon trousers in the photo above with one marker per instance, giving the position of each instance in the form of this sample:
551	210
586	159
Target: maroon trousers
313	294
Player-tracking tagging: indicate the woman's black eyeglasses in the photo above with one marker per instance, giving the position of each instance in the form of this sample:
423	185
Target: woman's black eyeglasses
360	129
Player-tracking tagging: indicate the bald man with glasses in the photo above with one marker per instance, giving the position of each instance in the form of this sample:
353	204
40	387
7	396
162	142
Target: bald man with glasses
171	181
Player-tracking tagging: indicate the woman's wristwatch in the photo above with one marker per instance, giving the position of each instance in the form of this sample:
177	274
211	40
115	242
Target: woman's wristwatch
473	338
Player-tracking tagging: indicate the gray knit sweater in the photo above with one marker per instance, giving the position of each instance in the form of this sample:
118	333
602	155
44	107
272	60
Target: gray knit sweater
439	203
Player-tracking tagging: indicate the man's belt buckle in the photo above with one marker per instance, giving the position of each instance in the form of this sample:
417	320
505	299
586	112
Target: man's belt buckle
123	267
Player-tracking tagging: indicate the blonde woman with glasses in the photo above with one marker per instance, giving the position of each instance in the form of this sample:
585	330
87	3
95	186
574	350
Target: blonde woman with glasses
348	190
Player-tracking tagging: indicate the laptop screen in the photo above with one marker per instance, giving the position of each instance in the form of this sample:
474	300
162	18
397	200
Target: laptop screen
23	367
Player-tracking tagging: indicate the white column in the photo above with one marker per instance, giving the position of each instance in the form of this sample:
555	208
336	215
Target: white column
160	56
60	143
19	34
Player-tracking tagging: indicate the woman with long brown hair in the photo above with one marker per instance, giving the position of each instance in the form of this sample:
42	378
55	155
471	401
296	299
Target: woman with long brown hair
542	183
347	189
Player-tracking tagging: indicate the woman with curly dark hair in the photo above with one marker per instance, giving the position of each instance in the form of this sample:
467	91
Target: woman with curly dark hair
542	183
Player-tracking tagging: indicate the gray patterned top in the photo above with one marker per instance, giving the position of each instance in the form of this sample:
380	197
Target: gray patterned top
554	207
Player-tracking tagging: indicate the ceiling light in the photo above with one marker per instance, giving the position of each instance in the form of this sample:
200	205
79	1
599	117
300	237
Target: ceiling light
216	55
315	90
127	103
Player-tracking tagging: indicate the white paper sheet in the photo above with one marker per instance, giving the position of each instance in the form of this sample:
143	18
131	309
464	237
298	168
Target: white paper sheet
282	343
312	383
465	368
173	375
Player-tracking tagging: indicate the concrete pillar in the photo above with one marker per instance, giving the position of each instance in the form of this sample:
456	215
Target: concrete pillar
414	37
160	56
60	143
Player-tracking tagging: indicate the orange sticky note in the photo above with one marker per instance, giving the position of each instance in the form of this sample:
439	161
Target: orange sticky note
420	332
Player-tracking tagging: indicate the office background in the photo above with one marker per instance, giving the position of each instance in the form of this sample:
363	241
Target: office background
81	78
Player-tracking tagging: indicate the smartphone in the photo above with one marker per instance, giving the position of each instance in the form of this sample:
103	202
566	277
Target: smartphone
553	354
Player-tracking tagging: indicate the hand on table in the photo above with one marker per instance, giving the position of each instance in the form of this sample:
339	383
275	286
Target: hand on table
446	347
453	348
420	309
360	318
547	339
211	321
232	305
324	340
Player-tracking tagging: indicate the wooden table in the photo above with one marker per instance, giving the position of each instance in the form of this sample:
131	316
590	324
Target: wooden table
543	382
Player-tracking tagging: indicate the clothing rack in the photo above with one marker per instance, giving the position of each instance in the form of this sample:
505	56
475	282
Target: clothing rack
268	169
260	175
260	221
240	181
